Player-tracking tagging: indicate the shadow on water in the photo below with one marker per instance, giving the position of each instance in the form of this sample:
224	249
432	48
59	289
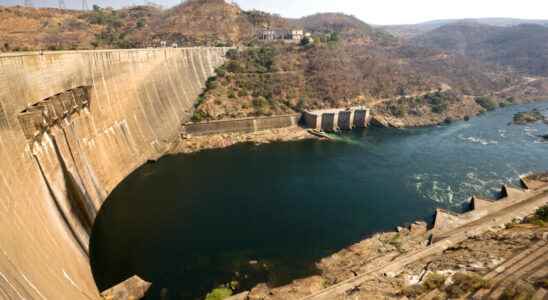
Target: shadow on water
252	214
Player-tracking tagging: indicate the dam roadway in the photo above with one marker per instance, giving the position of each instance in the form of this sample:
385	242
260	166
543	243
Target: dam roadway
73	125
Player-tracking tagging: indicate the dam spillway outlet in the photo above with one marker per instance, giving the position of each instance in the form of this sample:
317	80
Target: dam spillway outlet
40	116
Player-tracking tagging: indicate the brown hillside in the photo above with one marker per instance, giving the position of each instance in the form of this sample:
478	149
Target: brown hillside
282	79
25	28
205	22
349	27
523	48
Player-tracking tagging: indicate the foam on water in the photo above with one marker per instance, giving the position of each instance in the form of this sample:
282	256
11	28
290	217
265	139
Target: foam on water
477	140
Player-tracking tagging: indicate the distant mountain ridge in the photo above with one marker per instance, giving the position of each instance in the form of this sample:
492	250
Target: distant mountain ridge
411	30
523	47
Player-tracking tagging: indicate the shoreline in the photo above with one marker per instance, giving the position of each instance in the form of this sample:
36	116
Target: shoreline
297	133
387	264
225	140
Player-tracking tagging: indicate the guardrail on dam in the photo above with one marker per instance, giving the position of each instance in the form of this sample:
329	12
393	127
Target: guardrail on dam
72	126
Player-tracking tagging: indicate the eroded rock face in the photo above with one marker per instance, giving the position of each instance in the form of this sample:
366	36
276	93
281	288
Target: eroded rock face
294	291
133	288
260	292
535	181
418	228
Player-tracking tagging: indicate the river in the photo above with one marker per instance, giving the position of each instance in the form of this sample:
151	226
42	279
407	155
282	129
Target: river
252	214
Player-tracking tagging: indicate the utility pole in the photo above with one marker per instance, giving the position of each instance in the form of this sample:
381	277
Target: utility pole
62	4
85	5
28	3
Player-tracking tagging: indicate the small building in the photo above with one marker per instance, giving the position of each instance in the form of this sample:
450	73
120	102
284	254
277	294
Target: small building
297	35
270	35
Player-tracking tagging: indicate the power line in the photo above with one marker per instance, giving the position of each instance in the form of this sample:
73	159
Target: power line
28	3
85	5
62	4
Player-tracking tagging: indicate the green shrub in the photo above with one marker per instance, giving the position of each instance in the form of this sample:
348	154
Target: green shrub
242	93
465	283
518	291
219	293
211	83
140	23
398	110
234	67
542	213
523	118
262	106
413	291
220	71
199	116
232	54
260	102
486	102
434	281
438	101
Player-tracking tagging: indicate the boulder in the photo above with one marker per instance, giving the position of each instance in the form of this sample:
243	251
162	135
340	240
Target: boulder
132	289
418	228
259	292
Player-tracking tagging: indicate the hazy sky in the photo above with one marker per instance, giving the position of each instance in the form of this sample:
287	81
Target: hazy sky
371	11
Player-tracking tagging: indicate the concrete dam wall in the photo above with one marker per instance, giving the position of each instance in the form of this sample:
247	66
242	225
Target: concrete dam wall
72	126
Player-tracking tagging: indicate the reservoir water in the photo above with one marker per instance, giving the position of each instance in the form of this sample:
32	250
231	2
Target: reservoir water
252	214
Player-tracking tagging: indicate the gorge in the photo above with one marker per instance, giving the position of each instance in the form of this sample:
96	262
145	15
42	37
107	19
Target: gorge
251	214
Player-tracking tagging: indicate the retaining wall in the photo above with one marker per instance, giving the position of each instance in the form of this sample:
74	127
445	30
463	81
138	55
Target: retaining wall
241	125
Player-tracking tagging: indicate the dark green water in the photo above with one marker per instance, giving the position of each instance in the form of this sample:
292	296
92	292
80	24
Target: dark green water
192	222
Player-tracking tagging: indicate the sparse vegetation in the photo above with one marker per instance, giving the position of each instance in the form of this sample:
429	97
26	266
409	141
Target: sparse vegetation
533	116
438	101
290	77
431	282
413	291
219	293
540	218
518	291
486	102
434	281
465	283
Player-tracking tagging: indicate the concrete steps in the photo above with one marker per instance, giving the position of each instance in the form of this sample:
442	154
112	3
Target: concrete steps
446	221
496	215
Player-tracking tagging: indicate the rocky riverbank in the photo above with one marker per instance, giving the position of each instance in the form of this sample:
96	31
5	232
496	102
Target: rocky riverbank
218	141
479	262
